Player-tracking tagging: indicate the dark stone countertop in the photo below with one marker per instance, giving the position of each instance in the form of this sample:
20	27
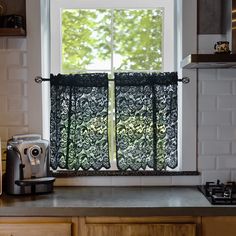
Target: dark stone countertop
114	201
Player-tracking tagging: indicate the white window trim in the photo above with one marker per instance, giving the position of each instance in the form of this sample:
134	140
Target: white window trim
187	43
56	33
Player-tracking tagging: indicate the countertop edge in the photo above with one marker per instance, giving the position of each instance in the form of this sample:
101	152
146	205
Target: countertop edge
113	212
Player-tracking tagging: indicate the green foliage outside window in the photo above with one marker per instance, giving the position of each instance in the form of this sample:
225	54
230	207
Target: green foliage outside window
132	38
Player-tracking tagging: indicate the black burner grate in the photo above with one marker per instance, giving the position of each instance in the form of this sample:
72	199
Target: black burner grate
219	193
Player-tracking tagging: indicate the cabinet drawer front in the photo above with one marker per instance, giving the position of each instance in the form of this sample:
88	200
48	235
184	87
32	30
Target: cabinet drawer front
141	230
35	229
218	226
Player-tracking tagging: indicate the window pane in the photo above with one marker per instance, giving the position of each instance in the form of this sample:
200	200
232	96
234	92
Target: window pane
86	40
138	39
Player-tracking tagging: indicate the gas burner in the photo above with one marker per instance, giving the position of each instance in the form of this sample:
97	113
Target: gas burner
220	193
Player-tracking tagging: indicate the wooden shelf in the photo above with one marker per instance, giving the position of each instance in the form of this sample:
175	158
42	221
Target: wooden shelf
12	32
208	61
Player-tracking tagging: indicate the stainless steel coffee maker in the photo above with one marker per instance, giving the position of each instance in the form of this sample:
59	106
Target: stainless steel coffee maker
27	165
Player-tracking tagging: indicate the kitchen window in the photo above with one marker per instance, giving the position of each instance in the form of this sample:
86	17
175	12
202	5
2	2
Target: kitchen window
168	56
112	35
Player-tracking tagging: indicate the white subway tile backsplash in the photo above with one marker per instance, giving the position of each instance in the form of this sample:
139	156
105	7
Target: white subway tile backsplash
206	163
200	88
226	74
227	103
207	74
226	162
206	42
25	89
234	87
3	74
17	44
12	119
200	117
215	147
200	149
233	175
3	43
216	118
233	145
156	180
26	119
3	133
217	124
17	104
213	175
126	181
17	73
186	180
13	58
3	104
13	104
207	103
206	132
17	130
216	112
234	118
217	87
227	133
8	88
3	59
24	59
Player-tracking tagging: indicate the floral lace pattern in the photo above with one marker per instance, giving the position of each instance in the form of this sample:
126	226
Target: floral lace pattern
146	120
78	122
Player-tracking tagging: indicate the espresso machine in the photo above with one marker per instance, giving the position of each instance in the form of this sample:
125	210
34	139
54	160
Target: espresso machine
27	165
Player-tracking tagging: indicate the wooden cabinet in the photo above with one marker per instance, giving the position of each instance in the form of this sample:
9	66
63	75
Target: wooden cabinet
118	226
211	16
38	229
141	230
35	227
137	226
98	226
218	226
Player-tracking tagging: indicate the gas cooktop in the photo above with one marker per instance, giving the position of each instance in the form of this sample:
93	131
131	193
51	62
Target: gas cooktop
219	193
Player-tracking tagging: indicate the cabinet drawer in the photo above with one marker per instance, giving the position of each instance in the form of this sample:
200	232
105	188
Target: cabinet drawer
141	230
35	229
218	226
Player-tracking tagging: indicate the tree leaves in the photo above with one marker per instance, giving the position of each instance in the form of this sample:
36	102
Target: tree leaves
91	38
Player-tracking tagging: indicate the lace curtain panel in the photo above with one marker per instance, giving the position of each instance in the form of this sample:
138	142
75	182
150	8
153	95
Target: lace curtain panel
145	121
78	121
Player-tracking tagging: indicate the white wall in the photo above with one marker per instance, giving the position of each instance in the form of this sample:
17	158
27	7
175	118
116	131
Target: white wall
216	118
13	88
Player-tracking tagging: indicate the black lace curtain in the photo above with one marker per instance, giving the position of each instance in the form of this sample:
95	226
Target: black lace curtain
146	121
79	112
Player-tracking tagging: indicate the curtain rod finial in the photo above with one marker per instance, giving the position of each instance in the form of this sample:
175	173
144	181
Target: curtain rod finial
184	80
38	79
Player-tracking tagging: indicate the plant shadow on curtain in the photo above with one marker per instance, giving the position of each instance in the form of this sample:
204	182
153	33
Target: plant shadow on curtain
146	121
78	121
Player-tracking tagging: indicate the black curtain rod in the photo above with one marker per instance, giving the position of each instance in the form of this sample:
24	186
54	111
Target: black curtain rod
39	80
